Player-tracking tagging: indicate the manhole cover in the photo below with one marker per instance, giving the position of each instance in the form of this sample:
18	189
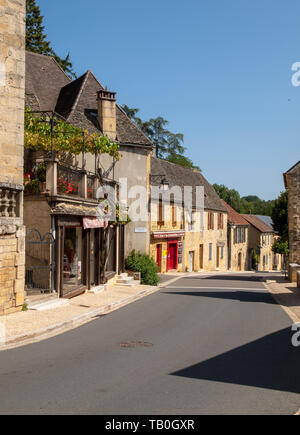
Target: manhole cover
135	344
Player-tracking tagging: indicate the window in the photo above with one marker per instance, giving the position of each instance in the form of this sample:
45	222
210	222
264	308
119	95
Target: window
222	253
174	213
210	251
160	212
192	221
220	221
211	220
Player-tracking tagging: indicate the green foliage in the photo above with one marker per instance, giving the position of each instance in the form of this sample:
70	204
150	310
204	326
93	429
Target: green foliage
280	216
245	205
254	259
182	161
66	138
281	246
168	145
35	36
36	39
143	263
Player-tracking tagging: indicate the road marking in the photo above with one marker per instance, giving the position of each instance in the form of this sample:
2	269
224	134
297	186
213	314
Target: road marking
219	288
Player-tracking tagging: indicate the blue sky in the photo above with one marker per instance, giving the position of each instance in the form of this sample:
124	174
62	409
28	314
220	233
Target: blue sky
218	70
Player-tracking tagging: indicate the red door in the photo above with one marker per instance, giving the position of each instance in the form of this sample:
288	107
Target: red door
172	263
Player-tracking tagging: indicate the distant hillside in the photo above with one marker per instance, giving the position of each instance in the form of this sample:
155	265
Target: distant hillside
247	204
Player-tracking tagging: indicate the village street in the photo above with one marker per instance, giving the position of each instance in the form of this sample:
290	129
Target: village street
210	345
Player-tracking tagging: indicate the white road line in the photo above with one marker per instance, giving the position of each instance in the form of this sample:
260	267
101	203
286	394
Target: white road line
218	288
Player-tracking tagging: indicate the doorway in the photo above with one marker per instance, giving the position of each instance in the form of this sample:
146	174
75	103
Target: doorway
201	256
240	261
191	261
172	263
72	275
218	256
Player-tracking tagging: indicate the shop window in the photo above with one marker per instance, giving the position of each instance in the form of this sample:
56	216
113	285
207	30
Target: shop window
72	268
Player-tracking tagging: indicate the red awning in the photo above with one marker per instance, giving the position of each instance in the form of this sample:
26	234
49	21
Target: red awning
94	223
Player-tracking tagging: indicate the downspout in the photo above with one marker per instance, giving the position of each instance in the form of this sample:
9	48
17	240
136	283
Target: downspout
53	254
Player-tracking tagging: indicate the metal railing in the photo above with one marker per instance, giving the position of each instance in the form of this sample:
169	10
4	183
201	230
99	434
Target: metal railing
68	181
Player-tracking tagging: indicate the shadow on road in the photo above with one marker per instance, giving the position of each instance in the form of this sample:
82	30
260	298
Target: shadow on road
270	362
241	296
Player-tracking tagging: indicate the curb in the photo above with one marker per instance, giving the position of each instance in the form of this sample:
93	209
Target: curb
67	325
288	311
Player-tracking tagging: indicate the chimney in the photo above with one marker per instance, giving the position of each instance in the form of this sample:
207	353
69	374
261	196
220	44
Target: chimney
107	113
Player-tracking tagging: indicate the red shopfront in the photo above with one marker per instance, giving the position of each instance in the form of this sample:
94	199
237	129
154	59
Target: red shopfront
168	250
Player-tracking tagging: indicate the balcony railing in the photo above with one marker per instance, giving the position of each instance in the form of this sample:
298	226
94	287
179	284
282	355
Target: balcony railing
55	179
68	181
10	200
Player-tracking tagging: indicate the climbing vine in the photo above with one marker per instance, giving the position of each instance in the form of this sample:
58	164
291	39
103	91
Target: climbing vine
65	138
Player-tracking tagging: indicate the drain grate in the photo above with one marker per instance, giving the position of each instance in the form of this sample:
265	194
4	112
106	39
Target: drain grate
131	344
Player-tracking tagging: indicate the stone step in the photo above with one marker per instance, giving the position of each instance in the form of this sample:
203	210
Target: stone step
48	305
98	289
126	280
132	283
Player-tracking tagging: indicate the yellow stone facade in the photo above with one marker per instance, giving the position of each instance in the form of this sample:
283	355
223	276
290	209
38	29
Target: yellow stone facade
12	84
198	248
238	249
209	245
170	226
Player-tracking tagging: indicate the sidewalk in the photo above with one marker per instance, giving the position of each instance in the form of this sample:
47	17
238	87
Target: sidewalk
287	295
31	326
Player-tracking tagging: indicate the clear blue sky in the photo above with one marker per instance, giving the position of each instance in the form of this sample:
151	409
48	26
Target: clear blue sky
218	70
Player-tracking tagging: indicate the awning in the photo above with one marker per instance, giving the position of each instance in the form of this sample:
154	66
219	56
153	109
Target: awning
94	223
167	234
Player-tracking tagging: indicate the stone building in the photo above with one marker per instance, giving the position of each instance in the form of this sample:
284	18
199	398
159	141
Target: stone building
238	228
12	83
260	242
182	239
292	183
82	253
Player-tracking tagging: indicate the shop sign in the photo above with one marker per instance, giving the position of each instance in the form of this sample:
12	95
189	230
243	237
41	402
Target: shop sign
94	223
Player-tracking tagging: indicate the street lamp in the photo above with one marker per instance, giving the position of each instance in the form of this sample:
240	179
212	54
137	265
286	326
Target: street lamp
164	184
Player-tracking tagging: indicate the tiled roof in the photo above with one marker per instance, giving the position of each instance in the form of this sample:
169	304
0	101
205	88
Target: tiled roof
44	80
234	218
49	88
258	223
181	176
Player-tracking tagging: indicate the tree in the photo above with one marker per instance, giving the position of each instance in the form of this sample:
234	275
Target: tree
35	36
181	160
36	39
231	196
280	216
159	135
130	112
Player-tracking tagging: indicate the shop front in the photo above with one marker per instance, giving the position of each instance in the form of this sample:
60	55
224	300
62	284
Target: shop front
88	253
167	250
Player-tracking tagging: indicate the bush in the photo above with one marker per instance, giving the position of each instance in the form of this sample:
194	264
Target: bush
144	264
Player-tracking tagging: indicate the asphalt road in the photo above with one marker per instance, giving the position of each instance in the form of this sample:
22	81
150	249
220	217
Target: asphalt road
215	345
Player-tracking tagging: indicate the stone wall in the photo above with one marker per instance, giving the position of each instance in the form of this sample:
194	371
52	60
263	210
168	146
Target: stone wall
293	184
12	89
